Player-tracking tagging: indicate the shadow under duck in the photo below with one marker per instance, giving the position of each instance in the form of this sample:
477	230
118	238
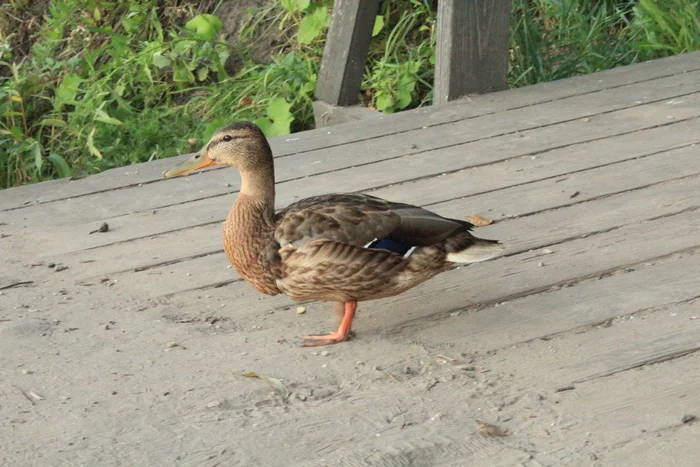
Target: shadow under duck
342	248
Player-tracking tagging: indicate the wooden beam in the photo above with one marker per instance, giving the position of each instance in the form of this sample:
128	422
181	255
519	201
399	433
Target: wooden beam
345	54
472	47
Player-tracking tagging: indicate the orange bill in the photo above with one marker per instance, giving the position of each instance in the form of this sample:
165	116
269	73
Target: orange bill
196	161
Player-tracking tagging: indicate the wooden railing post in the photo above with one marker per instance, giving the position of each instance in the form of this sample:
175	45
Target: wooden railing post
345	54
472	54
472	48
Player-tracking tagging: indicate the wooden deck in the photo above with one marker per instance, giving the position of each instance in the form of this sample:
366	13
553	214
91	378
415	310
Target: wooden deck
581	341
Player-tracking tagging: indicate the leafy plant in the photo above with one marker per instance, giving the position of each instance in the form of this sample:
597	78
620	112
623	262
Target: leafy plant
403	68
88	85
76	98
666	28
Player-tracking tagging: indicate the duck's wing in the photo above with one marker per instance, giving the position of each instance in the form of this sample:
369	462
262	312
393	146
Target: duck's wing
362	220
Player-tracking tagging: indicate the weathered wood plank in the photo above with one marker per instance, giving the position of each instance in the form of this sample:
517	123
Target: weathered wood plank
632	337
571	165
345	53
560	429
677	447
506	277
516	142
533	197
627	405
472	48
528	197
586	359
398	123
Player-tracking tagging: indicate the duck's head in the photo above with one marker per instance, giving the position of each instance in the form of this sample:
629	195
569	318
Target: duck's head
242	145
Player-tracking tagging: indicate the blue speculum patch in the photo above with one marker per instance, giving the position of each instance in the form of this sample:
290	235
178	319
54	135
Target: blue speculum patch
390	245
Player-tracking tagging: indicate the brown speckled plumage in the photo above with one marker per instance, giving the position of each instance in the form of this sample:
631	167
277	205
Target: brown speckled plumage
326	247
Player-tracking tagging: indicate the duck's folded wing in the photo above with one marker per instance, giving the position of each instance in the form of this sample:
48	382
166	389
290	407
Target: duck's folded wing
361	220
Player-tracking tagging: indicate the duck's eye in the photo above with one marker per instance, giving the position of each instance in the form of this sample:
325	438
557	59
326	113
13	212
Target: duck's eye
227	138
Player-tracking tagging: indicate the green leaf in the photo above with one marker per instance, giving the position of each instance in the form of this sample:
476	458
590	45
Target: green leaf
378	25
102	116
67	90
279	118
131	22
61	165
265	125
312	25
97	14
204	26
182	73
202	73
38	159
91	145
278	109
294	6
17	133
384	103
404	98
160	61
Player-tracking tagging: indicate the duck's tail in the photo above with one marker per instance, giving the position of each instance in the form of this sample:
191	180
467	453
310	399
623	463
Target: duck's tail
465	248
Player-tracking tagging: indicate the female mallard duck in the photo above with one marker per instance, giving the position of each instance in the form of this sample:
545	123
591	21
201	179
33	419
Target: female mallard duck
343	248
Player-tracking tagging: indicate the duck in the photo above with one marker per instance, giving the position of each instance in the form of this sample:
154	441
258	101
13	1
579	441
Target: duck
343	248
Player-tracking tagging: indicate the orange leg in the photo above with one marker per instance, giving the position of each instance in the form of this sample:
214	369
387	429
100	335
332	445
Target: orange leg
340	335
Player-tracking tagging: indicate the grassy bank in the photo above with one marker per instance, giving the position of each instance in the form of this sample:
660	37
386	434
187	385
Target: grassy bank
87	85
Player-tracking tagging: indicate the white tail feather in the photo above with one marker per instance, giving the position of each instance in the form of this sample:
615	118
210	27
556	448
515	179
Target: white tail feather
476	253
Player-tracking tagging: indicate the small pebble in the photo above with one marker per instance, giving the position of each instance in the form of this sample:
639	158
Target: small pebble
547	251
51	265
212	404
540	264
301	310
593	457
27	371
325	353
324	365
170	345
377	368
106	327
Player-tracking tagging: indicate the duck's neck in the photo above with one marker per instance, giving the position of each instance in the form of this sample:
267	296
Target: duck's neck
258	186
249	228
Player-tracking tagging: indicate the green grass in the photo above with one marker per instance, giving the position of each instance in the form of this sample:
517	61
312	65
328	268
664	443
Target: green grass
93	84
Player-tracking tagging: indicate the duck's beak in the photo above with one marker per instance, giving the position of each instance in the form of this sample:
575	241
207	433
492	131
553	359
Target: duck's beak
195	161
